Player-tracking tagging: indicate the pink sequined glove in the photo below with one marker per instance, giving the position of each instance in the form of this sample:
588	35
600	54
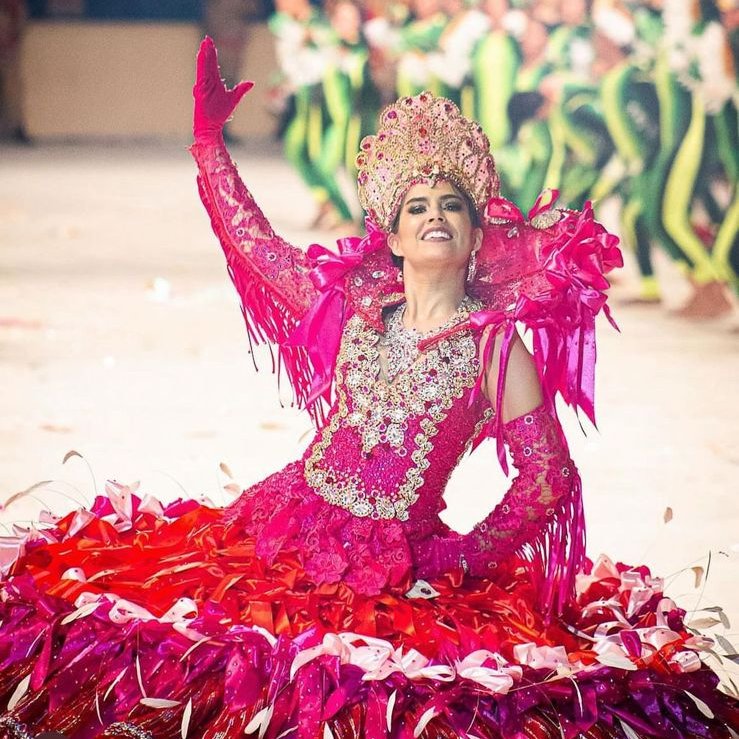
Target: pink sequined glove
214	102
546	481
539	518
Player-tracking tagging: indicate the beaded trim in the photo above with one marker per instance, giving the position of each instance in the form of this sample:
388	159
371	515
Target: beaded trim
401	343
381	413
15	728
129	730
422	139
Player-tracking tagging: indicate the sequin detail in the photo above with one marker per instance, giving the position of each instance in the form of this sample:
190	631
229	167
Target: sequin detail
384	414
401	343
14	728
129	730
546	219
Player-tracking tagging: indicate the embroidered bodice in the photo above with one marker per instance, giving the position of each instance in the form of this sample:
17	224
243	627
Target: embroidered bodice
388	444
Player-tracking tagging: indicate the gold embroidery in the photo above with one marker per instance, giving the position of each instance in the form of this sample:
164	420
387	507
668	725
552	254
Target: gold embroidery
546	219
382	413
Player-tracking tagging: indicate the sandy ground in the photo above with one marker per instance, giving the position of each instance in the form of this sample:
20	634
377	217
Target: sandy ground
120	338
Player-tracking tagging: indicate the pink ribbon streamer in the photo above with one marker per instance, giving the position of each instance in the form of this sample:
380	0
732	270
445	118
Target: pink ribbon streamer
490	322
319	331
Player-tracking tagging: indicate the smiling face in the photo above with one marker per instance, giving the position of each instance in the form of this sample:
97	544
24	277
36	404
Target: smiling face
435	228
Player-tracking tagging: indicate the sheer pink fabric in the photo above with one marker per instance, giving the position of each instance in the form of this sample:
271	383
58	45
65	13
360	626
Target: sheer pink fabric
270	275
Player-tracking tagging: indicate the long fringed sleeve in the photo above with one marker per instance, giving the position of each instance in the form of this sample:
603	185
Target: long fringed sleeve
270	275
540	518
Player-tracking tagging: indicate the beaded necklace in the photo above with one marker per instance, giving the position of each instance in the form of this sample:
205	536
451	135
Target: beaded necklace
401	343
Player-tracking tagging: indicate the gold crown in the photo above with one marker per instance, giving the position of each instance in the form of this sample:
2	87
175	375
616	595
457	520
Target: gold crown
422	139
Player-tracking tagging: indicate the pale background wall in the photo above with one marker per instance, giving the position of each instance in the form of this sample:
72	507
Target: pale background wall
128	80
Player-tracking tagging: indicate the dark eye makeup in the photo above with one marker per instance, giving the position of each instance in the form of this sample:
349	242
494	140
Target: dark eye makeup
451	203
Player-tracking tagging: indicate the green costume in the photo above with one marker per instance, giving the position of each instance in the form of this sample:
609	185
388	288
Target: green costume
418	38
495	65
523	162
312	139
352	100
634	118
451	63
707	153
580	142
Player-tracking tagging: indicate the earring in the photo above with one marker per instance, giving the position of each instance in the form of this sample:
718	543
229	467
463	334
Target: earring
472	267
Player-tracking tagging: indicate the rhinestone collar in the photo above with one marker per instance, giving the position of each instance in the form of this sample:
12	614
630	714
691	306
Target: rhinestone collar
401	343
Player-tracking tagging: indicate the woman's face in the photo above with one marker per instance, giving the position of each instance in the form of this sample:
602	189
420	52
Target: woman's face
423	9
573	12
435	228
496	9
294	8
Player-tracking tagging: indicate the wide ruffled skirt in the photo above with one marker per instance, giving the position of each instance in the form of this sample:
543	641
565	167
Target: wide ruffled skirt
282	617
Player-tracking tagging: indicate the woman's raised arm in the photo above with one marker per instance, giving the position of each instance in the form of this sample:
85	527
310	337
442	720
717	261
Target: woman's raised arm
270	275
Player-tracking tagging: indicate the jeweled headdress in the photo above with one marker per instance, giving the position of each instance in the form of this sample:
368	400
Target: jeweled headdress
422	139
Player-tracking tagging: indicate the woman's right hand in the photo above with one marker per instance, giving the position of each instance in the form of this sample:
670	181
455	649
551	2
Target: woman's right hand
214	102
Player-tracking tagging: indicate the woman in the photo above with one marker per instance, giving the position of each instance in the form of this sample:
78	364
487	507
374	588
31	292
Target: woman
298	610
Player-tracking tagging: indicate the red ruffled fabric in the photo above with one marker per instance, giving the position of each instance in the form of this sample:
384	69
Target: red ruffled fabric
119	609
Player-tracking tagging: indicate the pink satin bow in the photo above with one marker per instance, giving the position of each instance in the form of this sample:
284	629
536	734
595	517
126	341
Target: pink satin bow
490	322
320	329
502	209
575	269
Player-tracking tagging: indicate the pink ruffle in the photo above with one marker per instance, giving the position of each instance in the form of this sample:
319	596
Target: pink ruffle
283	514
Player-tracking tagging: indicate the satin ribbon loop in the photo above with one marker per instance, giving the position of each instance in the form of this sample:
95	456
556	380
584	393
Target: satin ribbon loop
489	670
183	611
320	329
331	268
541	657
547	198
124	611
124	504
503	210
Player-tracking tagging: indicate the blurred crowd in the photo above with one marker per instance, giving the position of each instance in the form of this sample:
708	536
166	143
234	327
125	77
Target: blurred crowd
608	100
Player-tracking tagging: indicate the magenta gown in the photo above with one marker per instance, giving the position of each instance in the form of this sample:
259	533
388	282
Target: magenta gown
330	600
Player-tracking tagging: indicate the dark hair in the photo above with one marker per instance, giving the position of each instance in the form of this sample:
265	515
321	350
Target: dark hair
469	204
